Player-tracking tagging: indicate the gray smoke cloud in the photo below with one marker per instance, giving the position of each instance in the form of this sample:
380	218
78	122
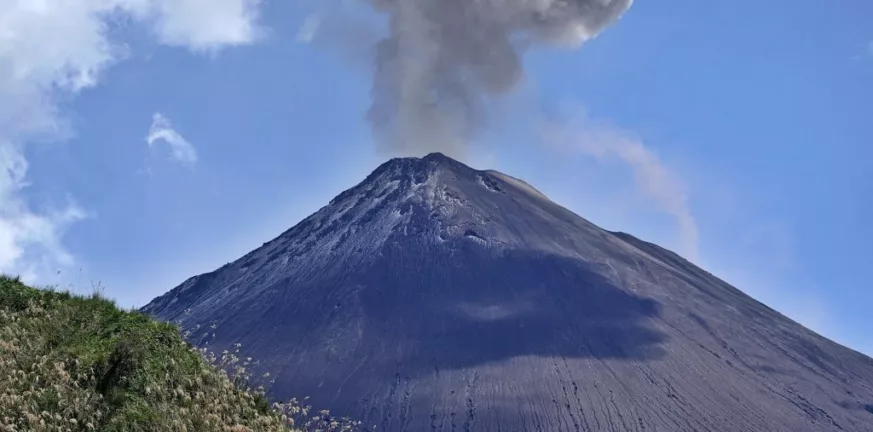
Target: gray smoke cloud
444	60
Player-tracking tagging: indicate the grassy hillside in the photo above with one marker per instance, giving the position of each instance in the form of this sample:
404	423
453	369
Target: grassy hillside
70	363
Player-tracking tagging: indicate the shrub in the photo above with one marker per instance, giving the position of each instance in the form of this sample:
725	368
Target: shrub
71	363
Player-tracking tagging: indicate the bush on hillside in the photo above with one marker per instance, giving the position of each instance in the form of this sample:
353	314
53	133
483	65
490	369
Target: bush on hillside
71	363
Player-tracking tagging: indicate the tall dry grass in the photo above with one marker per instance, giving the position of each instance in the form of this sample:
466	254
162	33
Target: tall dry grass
72	363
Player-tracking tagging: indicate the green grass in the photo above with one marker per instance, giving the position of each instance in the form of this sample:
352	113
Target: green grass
80	363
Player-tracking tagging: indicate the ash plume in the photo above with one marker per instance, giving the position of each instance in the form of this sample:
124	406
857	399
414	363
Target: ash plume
445	60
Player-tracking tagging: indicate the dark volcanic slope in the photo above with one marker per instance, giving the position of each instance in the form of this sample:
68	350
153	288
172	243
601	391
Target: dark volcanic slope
433	297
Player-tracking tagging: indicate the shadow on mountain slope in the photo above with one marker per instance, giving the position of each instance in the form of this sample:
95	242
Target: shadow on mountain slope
472	308
448	308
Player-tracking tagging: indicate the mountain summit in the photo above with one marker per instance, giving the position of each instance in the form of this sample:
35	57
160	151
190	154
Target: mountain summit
436	297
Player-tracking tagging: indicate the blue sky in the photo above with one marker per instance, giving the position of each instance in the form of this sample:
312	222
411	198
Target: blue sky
145	141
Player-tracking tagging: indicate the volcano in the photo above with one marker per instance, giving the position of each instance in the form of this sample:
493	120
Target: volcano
436	297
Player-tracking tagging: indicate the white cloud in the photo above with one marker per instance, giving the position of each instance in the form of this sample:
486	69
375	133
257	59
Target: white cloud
162	131
28	241
309	29
602	141
56	48
205	24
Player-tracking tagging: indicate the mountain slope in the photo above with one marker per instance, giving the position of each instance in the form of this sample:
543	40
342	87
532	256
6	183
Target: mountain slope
436	297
